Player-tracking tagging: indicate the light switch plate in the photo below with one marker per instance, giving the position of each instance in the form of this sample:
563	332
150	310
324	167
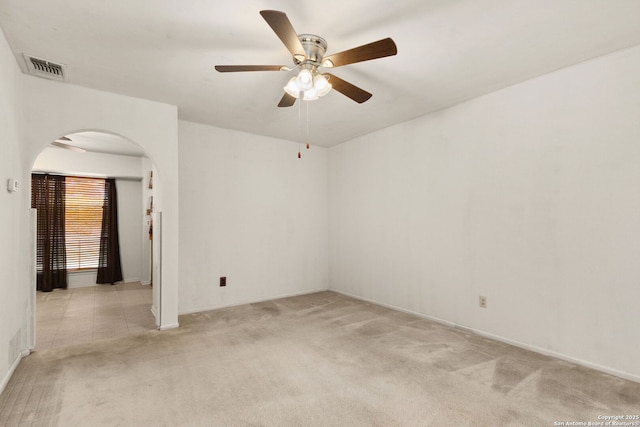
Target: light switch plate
12	185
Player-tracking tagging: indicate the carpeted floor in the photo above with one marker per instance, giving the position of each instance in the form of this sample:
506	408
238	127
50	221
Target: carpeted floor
316	360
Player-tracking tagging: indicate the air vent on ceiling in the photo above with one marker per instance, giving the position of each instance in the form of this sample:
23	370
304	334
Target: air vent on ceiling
43	68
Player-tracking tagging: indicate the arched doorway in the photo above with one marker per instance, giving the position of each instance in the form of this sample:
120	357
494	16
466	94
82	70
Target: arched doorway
87	312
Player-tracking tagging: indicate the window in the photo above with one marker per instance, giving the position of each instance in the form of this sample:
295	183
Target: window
83	221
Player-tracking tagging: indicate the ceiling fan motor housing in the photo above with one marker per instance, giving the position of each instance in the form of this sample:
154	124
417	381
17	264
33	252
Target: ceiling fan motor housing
314	47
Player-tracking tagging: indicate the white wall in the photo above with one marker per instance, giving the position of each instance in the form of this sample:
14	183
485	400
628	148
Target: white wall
159	245
130	212
14	222
147	193
130	224
252	211
529	196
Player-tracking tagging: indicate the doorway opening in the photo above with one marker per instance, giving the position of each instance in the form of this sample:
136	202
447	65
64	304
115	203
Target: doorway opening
82	310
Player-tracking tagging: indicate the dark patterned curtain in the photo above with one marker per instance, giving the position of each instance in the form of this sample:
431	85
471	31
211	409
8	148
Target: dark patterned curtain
109	266
48	198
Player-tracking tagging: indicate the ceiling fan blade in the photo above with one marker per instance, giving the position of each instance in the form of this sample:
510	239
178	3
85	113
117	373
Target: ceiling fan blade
59	144
348	89
375	50
281	25
287	100
235	68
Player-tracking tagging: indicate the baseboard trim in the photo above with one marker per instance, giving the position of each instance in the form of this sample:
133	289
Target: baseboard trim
162	327
296	294
546	352
12	369
92	282
536	349
170	326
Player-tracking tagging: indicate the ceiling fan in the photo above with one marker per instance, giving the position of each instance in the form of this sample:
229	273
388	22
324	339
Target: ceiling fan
63	142
308	52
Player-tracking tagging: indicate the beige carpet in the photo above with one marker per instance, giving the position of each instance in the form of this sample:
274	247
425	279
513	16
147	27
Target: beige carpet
316	360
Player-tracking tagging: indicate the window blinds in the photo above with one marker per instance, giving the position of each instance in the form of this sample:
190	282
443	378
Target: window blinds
83	221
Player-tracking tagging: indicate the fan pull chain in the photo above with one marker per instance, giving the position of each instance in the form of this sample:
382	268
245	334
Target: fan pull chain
299	126
307	125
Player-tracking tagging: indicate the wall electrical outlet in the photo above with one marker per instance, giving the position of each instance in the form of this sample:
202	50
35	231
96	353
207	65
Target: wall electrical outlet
223	281
482	301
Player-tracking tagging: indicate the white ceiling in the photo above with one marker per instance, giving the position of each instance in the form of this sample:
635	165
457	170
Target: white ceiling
448	51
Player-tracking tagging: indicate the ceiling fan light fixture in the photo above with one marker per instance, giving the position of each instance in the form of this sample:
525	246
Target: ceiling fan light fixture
311	87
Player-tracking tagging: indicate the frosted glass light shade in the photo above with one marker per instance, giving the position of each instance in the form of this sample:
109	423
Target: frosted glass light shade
310	95
321	85
292	88
304	80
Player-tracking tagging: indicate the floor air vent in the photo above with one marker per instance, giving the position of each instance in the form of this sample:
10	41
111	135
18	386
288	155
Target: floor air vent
43	68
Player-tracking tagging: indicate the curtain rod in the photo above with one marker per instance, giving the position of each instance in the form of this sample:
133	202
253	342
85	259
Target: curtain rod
117	178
